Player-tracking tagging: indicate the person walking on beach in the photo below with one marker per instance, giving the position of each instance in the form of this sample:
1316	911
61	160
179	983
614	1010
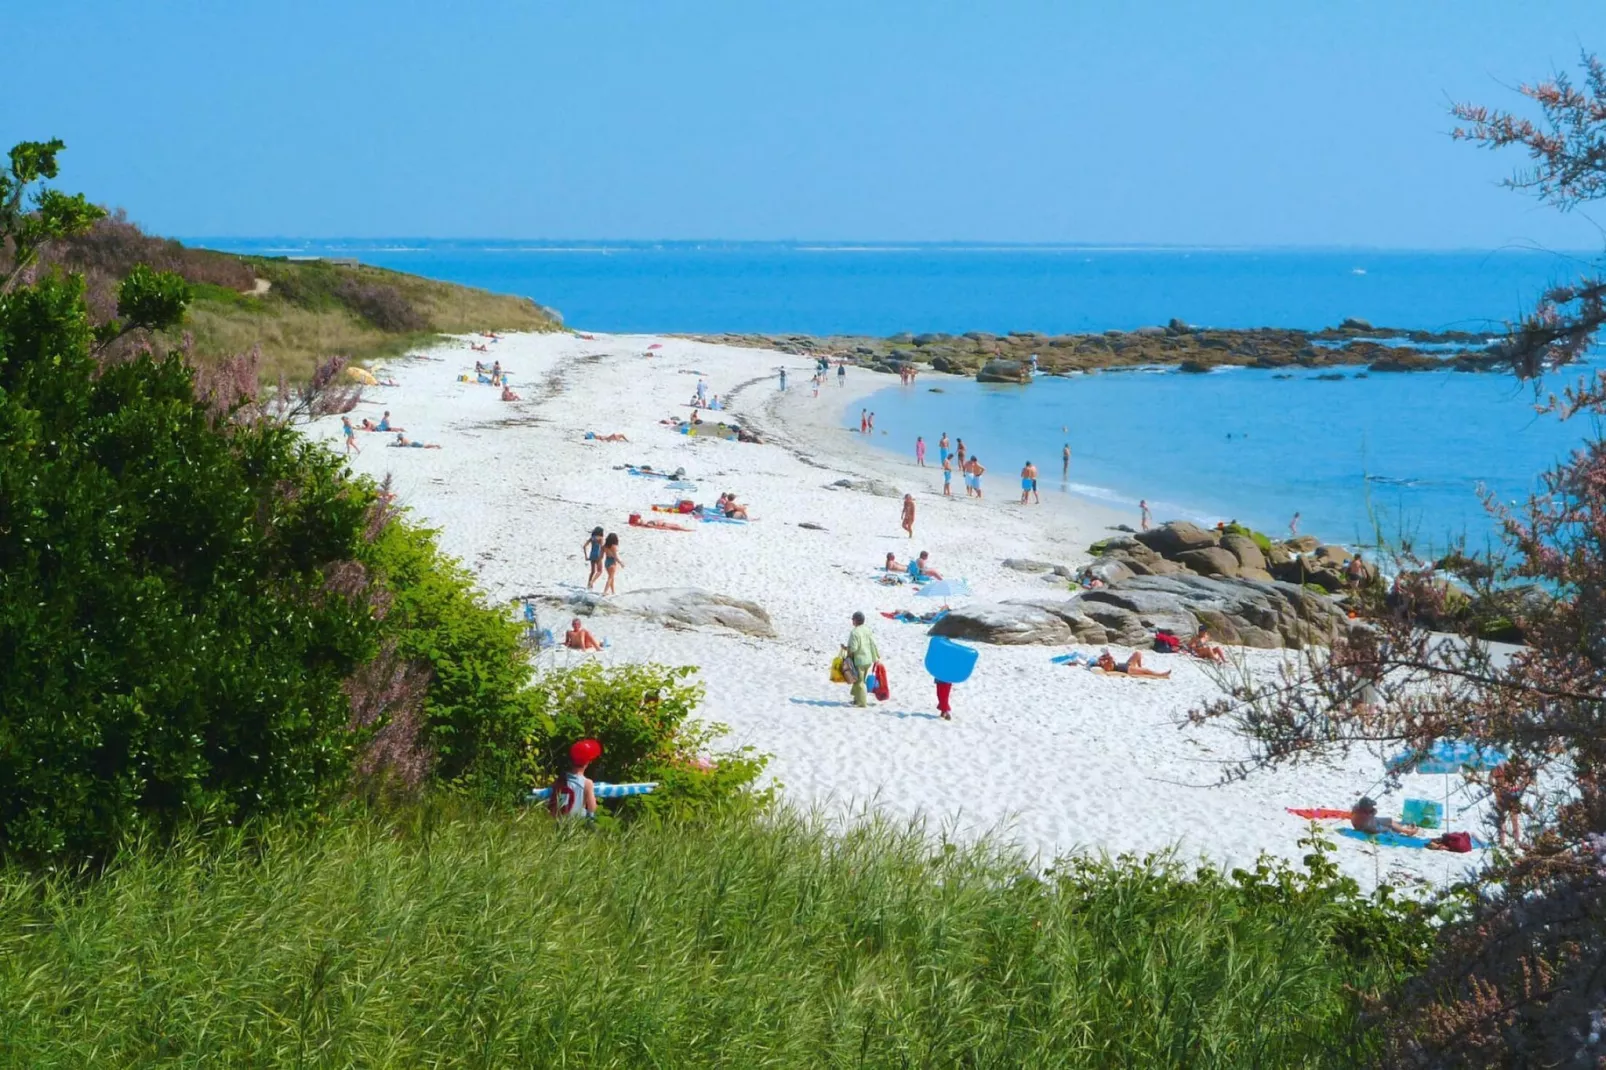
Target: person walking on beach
942	447
909	514
1065	461
592	550
783	378
842	373
947	477
1143	514
863	653
611	561
351	436
920	451
864	421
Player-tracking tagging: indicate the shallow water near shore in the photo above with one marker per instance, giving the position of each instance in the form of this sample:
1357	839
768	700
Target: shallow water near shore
1403	454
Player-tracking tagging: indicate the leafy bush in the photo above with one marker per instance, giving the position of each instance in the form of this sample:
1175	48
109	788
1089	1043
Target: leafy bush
113	246
1258	538
640	715
744	940
383	306
478	701
179	599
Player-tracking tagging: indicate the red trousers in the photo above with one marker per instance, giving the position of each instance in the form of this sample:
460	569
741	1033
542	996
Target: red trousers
943	691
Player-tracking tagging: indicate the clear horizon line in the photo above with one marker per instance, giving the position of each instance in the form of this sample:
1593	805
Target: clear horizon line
873	244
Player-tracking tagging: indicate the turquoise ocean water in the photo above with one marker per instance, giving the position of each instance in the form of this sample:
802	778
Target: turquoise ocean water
1405	451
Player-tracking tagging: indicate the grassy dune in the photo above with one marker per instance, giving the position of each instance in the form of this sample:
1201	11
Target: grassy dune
308	313
743	942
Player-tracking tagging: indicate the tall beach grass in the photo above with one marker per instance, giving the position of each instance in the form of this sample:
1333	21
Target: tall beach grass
742	941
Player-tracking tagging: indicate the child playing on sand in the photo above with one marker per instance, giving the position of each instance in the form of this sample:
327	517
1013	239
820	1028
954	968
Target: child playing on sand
909	514
611	561
574	794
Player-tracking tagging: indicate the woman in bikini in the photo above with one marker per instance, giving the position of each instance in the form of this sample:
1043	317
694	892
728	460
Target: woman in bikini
1132	666
592	550
611	561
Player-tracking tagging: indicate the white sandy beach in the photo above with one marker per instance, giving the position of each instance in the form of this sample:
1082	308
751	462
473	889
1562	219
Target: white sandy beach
1057	758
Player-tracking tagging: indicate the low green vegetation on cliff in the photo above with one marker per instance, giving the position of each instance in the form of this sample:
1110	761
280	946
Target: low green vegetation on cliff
298	312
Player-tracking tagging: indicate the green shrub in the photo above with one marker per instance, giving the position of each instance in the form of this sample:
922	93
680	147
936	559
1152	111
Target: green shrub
746	940
1258	538
640	714
478	701
179	599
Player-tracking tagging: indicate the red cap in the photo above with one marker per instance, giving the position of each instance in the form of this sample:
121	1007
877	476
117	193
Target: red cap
584	751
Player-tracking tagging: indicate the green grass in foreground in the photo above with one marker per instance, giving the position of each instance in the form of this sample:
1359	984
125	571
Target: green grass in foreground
742	942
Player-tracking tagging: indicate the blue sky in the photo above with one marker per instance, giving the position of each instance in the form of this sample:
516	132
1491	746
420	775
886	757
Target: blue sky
1278	123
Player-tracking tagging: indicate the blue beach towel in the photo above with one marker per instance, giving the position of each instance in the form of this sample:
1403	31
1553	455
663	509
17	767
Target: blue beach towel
604	791
1395	839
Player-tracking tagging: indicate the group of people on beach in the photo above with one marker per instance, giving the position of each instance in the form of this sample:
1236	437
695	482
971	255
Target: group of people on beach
602	555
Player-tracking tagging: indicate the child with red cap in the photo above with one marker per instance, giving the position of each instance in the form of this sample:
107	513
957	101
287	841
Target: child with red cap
575	794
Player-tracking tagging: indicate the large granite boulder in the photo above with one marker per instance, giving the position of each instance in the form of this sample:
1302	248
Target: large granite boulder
1177	536
1330	556
1111	569
1209	561
1244	549
1302	544
1003	371
1253	613
879	487
1023	621
690	607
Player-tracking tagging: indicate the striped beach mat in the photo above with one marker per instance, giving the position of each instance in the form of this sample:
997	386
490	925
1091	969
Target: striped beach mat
604	791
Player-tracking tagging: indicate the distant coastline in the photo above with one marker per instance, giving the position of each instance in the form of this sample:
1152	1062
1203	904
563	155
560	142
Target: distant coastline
1018	355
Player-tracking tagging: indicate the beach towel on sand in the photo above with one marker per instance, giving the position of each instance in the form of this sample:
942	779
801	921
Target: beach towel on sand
1395	839
1319	813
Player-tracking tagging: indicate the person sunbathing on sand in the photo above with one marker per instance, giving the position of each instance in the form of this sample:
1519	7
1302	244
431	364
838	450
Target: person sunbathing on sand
577	638
1132	666
1364	818
892	564
403	440
479	349
615	437
920	567
1200	647
727	505
384	424
369	425
508	394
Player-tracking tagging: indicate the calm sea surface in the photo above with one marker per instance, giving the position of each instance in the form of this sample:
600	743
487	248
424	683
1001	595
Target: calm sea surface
1406	452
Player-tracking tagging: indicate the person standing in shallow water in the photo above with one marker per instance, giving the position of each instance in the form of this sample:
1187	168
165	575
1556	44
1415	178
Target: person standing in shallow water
959	452
1028	482
947	476
942	448
1065	461
976	472
871	427
920	451
864	421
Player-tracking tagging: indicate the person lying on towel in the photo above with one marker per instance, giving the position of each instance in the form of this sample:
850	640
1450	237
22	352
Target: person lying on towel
1364	818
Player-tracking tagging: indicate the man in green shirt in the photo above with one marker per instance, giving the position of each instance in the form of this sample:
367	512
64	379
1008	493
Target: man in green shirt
863	653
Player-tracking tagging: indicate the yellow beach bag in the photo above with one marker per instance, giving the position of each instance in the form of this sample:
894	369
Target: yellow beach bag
837	675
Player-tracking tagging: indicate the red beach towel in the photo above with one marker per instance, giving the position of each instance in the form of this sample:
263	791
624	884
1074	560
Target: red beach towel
1320	814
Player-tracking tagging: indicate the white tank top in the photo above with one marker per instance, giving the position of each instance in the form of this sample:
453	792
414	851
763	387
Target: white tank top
571	795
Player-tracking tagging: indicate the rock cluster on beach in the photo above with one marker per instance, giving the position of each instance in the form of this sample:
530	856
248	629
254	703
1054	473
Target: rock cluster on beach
1007	358
1243	588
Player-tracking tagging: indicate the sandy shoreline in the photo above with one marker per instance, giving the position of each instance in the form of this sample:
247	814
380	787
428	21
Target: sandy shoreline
1056	758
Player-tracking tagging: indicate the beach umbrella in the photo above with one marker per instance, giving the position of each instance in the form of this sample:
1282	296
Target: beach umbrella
1445	756
945	589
